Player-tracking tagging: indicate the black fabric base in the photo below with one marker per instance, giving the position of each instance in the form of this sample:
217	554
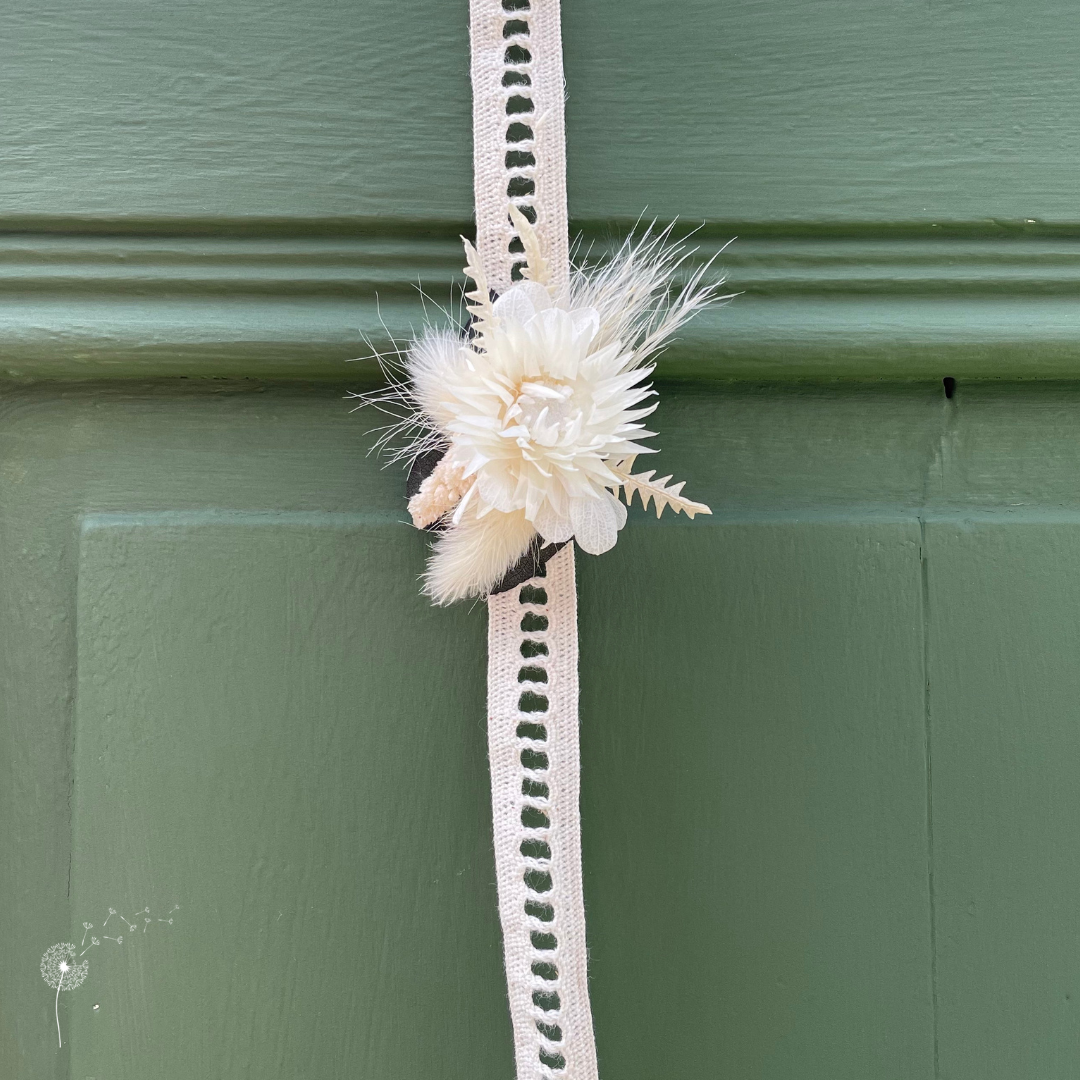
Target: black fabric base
422	467
530	565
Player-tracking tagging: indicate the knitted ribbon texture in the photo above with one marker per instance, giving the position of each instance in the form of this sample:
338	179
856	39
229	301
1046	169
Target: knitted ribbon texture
535	770
519	137
519	157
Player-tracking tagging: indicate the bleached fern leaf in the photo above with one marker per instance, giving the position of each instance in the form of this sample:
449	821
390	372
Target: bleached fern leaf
479	297
537	269
655	490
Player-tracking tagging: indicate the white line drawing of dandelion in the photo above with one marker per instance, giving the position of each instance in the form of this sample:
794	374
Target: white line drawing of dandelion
58	968
113	911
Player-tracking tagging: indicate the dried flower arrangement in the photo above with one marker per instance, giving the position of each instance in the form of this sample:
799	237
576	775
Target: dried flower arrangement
535	414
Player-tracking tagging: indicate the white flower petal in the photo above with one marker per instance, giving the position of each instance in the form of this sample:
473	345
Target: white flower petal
620	510
563	338
551	526
522	301
465	500
596	524
496	488
585	323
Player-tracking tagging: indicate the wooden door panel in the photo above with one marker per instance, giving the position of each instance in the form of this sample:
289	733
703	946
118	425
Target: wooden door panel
210	644
754	792
1004	642
276	733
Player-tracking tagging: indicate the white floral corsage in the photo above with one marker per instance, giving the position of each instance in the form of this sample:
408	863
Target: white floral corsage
523	432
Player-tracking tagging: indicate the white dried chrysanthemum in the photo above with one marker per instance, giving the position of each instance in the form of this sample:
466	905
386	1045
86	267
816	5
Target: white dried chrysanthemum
539	411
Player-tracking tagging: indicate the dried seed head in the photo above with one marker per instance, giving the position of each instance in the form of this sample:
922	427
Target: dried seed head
439	493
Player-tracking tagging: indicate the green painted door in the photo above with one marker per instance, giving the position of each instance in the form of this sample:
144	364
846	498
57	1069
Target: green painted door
830	735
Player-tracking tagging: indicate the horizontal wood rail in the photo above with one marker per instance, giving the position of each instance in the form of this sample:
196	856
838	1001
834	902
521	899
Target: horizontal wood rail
298	299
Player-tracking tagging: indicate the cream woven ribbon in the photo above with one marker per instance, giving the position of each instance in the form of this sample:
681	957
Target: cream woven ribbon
517	81
535	775
519	156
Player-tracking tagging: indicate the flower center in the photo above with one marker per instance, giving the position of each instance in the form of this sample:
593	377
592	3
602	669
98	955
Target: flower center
545	407
64	966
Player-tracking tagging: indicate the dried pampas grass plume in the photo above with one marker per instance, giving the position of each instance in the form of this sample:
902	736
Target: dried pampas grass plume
537	413
471	558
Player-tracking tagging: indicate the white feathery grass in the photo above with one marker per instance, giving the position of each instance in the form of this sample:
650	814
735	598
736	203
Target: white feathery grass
471	558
